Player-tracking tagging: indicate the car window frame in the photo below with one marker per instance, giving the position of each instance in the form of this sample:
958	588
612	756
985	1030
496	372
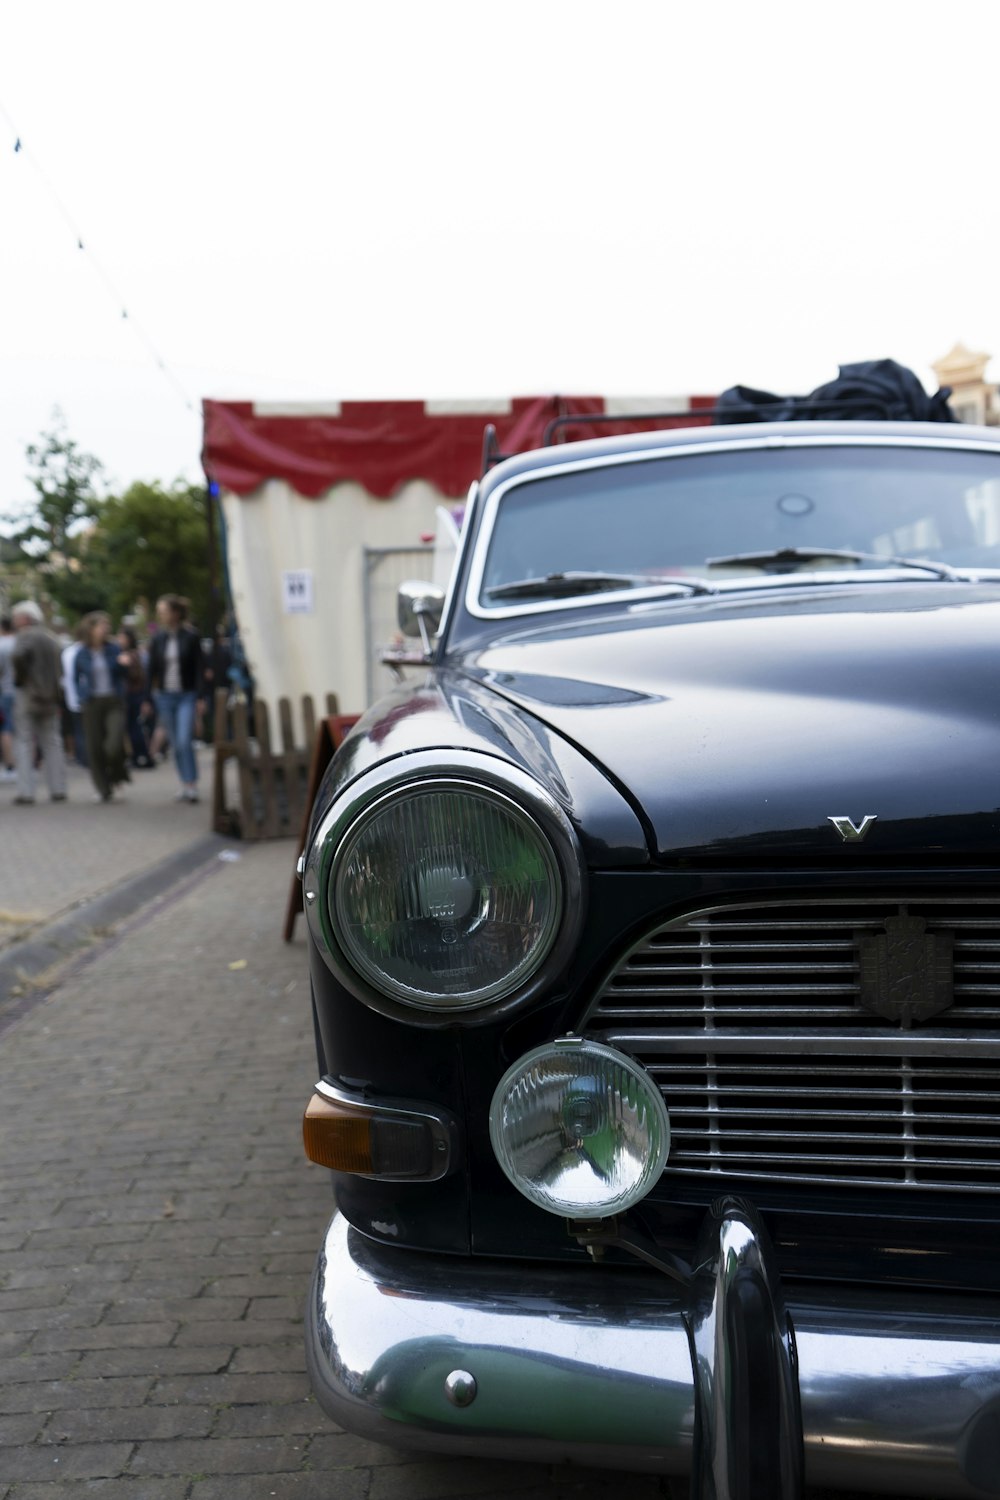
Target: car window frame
518	609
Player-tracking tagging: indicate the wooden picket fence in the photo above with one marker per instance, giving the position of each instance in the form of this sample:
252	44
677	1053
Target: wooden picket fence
261	790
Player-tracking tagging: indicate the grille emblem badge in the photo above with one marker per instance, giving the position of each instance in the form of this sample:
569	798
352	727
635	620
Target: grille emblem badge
906	973
850	831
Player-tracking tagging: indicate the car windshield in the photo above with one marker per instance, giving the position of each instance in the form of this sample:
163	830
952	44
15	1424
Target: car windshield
733	514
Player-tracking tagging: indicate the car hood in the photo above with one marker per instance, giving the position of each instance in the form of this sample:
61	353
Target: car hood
740	727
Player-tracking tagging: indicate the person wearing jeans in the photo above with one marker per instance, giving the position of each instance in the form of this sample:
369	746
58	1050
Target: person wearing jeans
175	681
99	676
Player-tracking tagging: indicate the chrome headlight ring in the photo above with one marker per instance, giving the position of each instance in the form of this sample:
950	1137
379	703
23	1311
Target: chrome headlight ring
519	800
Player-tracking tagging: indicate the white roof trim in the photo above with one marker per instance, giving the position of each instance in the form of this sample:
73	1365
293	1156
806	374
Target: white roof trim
626	406
296	408
498	406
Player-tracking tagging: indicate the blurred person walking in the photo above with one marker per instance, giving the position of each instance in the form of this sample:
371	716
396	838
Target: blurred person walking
218	660
72	697
7	771
99	673
176	682
137	703
37	703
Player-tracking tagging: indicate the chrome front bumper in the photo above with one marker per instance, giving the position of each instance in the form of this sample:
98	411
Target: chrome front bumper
899	1393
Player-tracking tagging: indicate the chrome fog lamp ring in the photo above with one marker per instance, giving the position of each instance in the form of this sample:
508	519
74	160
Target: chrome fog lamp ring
444	886
580	1129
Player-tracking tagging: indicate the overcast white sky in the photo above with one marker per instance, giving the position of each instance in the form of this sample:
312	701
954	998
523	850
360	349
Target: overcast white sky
458	199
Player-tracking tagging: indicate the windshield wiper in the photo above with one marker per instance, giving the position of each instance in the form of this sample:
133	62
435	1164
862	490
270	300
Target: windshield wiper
562	585
793	555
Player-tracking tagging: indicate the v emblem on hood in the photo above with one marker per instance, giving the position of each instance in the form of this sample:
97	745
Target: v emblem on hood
853	832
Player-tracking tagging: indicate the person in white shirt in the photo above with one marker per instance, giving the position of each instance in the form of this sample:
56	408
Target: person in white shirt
72	697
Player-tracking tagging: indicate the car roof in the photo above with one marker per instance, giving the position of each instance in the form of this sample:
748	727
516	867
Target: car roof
679	437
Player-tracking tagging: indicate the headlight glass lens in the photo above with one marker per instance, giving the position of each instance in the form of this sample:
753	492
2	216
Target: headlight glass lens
446	897
580	1129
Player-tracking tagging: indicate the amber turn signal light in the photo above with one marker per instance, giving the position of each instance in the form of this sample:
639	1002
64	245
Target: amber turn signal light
351	1135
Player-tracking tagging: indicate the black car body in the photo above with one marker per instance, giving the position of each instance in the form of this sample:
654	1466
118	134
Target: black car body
722	706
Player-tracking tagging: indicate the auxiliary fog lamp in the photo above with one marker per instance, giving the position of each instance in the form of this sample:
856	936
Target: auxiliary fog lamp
580	1129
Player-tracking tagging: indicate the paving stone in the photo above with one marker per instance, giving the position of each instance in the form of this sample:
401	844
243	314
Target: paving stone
344	1450
229	1389
219	1456
344	1485
259	1331
54	1255
178	1285
55	1395
14	1343
82	1237
256	1358
67	1320
129	1423
73	1217
121	1488
29	1368
114	1336
98	1190
196	1360
16	1299
253	1249
60	1461
431	1479
153	1261
171	1238
300	1264
289	1308
21	1427
137	1309
261	1285
84	1275
262	1420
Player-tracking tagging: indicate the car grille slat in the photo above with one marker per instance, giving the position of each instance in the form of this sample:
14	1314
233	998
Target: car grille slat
750	1020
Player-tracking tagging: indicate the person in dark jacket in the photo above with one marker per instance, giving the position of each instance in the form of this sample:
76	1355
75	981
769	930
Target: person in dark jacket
137	704
175	680
99	673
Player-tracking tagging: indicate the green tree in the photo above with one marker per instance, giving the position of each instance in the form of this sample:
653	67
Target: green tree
153	540
51	540
115	552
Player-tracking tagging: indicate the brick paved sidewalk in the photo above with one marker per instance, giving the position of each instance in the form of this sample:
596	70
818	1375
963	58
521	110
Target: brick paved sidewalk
53	856
159	1223
158	1226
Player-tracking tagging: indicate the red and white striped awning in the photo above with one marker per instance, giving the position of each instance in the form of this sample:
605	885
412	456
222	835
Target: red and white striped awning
382	445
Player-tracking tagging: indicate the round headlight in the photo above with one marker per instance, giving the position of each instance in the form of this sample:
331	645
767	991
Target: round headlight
580	1129
445	896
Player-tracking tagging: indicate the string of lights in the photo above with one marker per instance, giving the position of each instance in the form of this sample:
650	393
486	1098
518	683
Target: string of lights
100	270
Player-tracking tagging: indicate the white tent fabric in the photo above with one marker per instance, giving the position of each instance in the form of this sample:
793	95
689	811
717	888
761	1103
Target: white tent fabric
314	642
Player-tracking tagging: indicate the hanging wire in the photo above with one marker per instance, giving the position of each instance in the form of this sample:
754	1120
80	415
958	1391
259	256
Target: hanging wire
21	150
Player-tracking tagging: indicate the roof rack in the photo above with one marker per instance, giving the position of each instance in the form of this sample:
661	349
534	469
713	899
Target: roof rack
698	416
710	415
491	449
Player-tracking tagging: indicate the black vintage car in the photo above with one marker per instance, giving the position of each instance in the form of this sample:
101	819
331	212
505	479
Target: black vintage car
655	956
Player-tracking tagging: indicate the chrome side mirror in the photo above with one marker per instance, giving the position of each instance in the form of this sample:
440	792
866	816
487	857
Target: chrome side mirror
418	609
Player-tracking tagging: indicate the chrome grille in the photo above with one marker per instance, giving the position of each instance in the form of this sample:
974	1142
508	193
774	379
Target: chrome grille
749	1019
